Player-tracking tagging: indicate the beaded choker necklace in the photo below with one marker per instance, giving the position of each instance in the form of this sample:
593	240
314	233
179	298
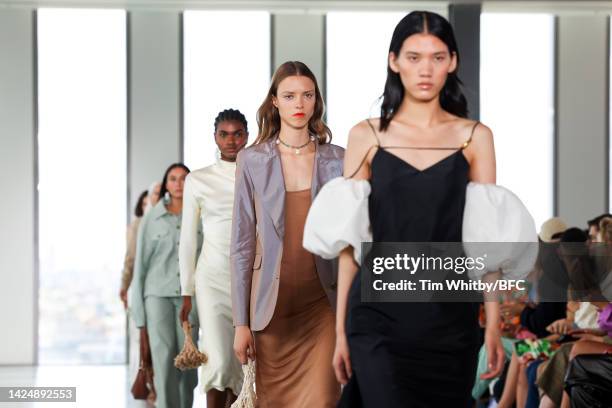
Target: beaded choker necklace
295	148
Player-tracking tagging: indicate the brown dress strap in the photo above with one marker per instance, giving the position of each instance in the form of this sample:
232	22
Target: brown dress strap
467	142
365	156
369	149
373	131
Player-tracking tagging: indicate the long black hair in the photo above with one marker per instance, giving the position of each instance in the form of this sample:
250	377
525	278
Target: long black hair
163	190
451	97
139	209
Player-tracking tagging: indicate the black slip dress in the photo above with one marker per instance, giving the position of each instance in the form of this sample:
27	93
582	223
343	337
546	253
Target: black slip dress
413	354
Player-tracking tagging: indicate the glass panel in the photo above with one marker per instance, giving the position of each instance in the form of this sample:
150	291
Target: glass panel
82	190
357	51
517	103
224	68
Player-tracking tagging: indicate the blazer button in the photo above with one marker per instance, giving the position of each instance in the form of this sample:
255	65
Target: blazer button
333	286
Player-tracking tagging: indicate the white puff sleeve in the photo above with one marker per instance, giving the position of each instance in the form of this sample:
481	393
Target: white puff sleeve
338	217
496	222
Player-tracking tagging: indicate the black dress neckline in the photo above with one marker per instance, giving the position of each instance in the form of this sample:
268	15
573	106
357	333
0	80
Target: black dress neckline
430	167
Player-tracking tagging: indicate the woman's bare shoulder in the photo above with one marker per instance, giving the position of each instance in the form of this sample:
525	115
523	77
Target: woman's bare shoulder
482	135
364	134
360	149
473	130
480	153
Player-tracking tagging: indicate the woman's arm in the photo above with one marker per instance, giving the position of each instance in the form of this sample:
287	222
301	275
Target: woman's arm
360	141
347	269
481	155
188	246
140	272
188	243
128	263
242	255
243	241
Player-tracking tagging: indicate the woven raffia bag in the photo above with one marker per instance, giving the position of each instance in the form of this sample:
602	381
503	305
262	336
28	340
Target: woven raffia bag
190	357
247	397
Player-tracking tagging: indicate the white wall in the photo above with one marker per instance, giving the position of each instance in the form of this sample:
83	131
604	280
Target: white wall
155	97
17	182
290	43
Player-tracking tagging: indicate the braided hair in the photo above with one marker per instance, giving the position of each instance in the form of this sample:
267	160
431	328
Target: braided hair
233	115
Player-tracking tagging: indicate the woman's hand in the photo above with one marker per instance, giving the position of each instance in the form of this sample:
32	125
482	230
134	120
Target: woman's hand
244	344
561	326
185	309
496	355
123	297
342	360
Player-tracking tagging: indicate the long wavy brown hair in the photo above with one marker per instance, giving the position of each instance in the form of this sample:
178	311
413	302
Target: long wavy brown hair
268	119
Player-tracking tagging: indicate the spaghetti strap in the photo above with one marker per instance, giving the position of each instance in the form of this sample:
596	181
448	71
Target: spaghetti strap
362	161
463	145
369	149
379	145
467	142
373	131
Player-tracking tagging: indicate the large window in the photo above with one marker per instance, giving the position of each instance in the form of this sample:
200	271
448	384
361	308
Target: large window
517	103
82	190
227	65
357	53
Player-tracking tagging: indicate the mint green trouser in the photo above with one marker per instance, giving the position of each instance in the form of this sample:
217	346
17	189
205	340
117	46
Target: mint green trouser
174	387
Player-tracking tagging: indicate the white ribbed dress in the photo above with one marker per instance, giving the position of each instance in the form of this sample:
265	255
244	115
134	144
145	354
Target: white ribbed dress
208	198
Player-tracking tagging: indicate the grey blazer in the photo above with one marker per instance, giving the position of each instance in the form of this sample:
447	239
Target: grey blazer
258	230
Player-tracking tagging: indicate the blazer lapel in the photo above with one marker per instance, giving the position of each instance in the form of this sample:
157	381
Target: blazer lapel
269	184
276	194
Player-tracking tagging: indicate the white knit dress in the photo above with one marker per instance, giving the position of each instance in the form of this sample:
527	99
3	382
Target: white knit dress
208	198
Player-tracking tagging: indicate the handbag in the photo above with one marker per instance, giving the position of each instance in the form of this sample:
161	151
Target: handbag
143	384
190	357
247	397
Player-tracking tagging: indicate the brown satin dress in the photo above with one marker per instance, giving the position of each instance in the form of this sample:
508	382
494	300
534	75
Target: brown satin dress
294	352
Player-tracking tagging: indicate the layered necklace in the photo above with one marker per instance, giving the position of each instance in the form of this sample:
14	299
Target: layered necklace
296	149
